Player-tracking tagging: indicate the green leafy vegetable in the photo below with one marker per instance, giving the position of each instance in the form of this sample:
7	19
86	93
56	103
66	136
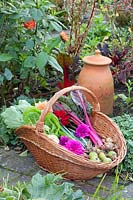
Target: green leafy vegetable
10	119
53	123
31	115
22	105
12	116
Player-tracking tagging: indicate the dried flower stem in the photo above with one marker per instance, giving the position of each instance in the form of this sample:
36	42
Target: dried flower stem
72	22
78	22
76	11
83	36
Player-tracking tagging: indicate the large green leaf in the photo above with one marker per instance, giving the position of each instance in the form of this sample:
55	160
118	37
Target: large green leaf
41	61
36	188
12	117
36	14
5	57
47	187
30	62
31	115
29	44
53	62
52	43
30	3
56	26
8	74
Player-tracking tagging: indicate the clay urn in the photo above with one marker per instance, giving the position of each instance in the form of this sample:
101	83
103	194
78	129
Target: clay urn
97	77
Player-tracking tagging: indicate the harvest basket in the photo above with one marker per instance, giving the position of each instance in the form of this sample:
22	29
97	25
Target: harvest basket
54	158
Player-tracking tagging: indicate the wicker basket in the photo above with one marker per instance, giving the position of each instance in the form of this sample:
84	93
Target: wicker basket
54	158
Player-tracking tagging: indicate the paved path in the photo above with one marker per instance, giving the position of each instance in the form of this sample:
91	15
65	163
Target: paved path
16	168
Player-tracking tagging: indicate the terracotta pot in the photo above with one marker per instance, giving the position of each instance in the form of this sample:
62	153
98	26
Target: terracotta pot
96	76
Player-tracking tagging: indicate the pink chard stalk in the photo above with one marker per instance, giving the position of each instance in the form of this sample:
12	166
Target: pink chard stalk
79	100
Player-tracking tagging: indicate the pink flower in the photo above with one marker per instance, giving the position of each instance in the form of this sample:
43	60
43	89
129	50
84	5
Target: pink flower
75	147
82	130
72	145
63	140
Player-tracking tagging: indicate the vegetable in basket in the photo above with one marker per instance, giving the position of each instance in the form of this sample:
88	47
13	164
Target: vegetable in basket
86	128
83	132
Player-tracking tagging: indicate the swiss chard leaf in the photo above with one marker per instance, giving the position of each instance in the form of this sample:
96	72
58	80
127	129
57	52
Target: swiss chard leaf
78	98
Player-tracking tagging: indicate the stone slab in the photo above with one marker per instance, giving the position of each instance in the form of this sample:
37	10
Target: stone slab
21	169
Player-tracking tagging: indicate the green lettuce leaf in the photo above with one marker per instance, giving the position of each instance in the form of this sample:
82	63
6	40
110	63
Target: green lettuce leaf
53	123
31	115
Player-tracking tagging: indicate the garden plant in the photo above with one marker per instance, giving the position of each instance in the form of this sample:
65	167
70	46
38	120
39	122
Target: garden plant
42	46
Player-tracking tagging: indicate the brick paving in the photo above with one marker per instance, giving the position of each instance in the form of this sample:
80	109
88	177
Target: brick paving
17	168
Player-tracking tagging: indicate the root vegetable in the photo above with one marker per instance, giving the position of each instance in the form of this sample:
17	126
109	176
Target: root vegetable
93	155
102	155
109	140
109	146
112	154
96	159
107	160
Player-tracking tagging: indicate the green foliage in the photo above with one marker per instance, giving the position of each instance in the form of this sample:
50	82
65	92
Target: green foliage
31	115
115	191
12	116
26	54
125	123
5	57
10	119
51	187
129	86
4	132
127	99
41	188
99	31
69	105
53	123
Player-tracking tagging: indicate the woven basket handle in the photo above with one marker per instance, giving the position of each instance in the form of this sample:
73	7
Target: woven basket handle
92	97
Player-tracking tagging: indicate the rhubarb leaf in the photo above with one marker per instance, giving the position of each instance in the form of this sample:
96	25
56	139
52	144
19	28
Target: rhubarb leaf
48	187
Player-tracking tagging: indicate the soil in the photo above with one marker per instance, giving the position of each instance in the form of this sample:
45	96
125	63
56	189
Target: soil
121	107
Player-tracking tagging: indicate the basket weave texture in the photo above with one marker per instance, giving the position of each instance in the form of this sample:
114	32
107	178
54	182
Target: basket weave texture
54	158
